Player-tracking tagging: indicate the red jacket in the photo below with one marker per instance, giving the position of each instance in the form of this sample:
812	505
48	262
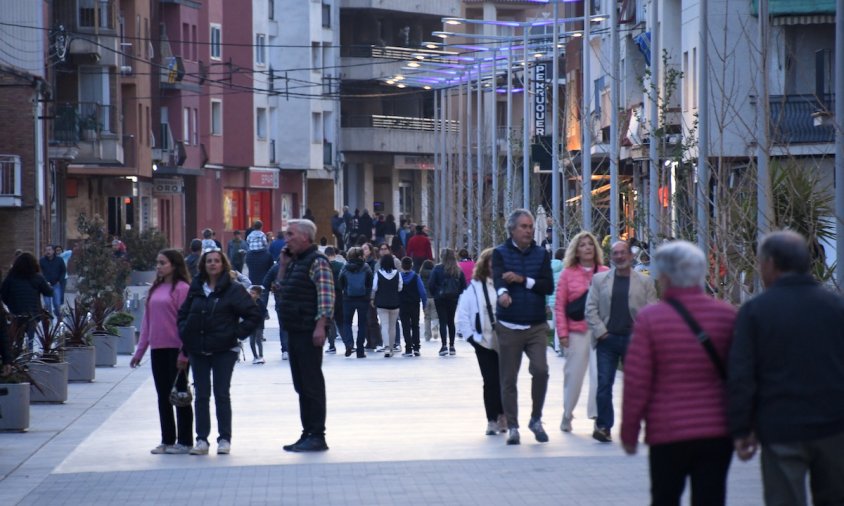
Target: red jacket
419	246
669	381
573	282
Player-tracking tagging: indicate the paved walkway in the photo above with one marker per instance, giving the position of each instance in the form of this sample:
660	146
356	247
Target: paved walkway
402	431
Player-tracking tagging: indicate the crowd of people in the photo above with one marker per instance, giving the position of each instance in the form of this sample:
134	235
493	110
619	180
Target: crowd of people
705	379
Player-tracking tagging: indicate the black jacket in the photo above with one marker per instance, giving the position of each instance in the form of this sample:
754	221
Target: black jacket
53	270
786	364
23	295
214	323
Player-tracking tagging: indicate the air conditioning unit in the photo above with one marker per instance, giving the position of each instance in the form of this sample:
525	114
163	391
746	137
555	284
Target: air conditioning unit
126	70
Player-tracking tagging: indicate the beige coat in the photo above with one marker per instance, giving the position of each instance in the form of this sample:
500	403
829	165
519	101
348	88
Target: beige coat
642	292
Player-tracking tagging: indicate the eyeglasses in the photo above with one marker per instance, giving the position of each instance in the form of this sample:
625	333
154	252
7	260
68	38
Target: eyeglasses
210	250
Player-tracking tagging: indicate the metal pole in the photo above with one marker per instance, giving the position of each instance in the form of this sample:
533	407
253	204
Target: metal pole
555	137
461	170
508	192
437	169
480	161
839	140
702	199
653	151
586	126
526	126
615	221
763	177
494	150
447	192
470	195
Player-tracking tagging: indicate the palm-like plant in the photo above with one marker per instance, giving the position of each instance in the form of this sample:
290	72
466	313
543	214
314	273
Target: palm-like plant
100	311
51	336
78	325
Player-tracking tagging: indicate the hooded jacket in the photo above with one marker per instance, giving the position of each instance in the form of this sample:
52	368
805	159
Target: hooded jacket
391	285
355	266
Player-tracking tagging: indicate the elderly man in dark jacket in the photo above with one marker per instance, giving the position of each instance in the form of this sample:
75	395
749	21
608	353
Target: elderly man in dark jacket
521	272
786	378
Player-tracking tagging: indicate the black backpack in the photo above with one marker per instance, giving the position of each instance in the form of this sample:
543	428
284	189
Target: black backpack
449	287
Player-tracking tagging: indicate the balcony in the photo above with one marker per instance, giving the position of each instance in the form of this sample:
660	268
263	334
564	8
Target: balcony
173	73
92	128
430	7
193	4
358	64
93	24
391	134
793	119
10	181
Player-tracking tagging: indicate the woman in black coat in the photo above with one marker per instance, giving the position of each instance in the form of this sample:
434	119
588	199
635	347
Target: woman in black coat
217	314
21	291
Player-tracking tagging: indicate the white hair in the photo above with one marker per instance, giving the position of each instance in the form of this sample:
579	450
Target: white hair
306	226
682	262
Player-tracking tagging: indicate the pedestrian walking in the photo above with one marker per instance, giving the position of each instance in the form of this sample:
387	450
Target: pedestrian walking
674	384
386	286
272	283
236	251
54	270
447	283
355	282
432	324
467	265
160	333
419	248
22	290
256	338
410	297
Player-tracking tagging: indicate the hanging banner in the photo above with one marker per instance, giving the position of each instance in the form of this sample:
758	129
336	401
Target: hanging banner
540	102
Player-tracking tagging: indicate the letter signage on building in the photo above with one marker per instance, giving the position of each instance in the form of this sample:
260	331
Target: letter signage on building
167	186
263	178
540	102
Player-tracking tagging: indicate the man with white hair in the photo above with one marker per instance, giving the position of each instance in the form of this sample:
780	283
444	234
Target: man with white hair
614	299
675	385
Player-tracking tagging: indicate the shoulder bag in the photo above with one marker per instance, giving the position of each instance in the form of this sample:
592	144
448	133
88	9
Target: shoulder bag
576	309
702	337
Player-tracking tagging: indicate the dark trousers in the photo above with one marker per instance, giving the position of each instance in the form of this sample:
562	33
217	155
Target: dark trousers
409	316
446	309
221	365
308	381
282	334
350	307
373	328
704	461
256	343
339	240
609	351
488	362
785	466
164	372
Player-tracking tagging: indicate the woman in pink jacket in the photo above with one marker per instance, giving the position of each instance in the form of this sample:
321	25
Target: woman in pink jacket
159	332
674	385
583	259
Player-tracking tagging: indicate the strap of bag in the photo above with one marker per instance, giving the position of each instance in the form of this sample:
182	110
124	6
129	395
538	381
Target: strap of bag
176	379
488	307
702	337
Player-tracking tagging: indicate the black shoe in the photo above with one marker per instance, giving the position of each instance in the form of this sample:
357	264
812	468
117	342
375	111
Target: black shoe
361	355
443	351
601	434
289	448
407	354
331	350
349	352
310	444
416	353
452	351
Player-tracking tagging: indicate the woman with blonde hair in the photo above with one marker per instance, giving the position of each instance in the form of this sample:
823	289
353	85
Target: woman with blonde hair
583	259
446	284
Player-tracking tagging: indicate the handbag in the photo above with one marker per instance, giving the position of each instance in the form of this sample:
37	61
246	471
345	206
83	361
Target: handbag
702	337
576	309
180	399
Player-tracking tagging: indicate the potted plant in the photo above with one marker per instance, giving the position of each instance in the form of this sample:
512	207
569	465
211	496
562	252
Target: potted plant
89	127
120	322
47	369
142	249
102	275
104	337
15	384
79	352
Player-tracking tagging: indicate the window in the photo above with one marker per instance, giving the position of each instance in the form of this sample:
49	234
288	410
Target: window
216	117
216	42
164	132
316	56
186	125
271	9
261	123
260	49
326	15
316	127
692	78
685	99
185	40
194	41
195	126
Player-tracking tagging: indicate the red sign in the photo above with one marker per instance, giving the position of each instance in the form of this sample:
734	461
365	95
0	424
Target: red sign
263	178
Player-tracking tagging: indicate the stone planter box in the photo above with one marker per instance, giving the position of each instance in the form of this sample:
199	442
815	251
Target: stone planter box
14	407
125	340
105	345
81	363
49	382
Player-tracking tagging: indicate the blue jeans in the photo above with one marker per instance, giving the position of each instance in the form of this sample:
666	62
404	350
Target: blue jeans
609	351
54	304
282	334
221	364
350	306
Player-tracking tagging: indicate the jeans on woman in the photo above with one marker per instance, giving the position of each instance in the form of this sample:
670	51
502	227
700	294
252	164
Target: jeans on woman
446	309
221	365
350	306
164	371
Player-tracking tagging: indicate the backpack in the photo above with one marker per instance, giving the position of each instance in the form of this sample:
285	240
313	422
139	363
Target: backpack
449	288
356	283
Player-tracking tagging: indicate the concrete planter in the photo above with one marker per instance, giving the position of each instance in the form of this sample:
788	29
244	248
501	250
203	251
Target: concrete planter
14	407
49	382
125	340
105	345
81	363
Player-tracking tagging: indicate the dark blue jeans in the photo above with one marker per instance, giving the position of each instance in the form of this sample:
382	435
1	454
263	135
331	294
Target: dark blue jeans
282	334
221	364
609	351
349	308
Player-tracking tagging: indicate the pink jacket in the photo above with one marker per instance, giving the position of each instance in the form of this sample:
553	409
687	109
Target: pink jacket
159	329
669	381
573	282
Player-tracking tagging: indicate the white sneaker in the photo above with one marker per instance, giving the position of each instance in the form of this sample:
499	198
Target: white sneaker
491	428
200	448
261	360
284	355
379	349
223	447
177	449
160	449
256	361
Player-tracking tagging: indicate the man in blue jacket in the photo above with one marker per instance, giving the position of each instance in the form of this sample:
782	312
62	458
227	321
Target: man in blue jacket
521	272
54	270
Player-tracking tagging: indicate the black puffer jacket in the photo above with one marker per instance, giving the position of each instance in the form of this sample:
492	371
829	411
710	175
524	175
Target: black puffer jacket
23	295
214	323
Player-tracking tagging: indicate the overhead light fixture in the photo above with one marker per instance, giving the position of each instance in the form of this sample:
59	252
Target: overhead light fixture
577	34
538	55
420	56
390	81
431	45
452	21
426	87
398	77
442	35
598	19
413	64
401	85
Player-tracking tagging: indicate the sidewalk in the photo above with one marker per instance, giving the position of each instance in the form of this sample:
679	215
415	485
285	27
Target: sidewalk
402	431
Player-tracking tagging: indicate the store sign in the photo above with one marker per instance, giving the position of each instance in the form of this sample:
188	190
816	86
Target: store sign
263	178
167	186
540	102
413	162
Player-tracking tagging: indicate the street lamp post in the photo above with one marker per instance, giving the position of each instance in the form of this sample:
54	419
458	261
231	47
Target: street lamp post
586	126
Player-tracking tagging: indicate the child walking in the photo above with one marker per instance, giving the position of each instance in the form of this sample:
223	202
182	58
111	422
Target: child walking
256	338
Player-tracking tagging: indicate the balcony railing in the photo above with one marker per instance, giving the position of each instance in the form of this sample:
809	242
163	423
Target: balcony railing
792	120
83	121
88	15
397	122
